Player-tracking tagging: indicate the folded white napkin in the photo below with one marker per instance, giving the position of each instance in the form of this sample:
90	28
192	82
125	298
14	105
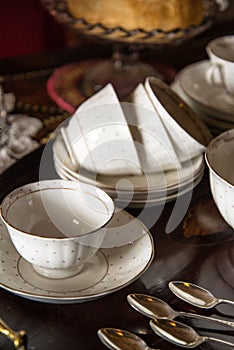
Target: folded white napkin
130	138
100	137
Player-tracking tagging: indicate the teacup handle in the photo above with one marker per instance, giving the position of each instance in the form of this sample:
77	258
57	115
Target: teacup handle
214	74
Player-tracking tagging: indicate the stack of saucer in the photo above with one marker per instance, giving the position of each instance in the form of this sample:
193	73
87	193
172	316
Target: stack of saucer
137	190
208	86
149	151
211	102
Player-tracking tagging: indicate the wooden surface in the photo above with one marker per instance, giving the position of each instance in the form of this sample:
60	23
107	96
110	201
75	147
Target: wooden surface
199	250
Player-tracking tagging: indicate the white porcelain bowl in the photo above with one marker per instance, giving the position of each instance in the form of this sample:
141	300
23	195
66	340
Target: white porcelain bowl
219	158
57	225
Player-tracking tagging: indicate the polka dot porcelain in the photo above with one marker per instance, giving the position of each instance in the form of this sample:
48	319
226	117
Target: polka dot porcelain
154	147
109	270
188	134
219	158
153	131
56	225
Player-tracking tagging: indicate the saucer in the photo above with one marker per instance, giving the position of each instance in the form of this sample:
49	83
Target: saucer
144	201
147	203
156	182
212	98
108	271
215	121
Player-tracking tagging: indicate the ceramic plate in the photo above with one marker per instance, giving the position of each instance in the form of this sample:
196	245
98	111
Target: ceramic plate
127	252
145	200
148	203
63	174
216	121
214	99
149	182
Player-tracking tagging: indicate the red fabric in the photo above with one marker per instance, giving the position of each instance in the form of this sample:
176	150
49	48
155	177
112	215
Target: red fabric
26	27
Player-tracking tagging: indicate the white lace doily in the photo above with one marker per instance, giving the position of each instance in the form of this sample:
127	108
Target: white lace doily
16	133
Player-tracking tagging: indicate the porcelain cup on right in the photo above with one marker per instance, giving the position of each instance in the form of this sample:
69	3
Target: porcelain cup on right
219	158
221	70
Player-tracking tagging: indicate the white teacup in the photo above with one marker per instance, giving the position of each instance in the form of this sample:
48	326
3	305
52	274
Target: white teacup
57	225
219	158
221	70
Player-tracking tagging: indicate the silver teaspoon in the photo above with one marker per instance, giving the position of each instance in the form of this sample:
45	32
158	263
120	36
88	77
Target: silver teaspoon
196	295
118	339
181	334
156	308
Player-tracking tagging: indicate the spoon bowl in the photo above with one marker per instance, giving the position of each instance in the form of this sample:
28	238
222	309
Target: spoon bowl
181	334
156	308
118	339
196	295
151	306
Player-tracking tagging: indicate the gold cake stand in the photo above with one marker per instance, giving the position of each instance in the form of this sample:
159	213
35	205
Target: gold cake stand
125	70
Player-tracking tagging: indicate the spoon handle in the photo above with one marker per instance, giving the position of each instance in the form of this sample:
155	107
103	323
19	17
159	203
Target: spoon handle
230	302
212	319
219	341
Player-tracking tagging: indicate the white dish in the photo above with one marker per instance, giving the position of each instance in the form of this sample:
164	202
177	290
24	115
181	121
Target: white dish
108	271
148	203
212	98
145	199
217	122
150	182
57	245
221	54
142	195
